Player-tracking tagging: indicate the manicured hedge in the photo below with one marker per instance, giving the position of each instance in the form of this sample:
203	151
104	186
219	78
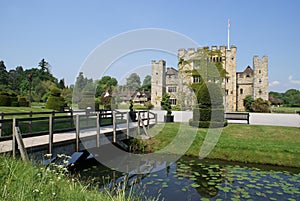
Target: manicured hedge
55	100
205	114
207	124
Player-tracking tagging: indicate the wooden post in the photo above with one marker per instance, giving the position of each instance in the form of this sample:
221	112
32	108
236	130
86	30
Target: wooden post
127	125
21	145
138	123
14	146
77	133
30	122
148	119
155	116
114	127
98	130
2	117
50	134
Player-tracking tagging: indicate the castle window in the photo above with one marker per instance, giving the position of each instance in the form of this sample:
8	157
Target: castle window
196	79
260	92
172	89
156	73
226	92
227	79
259	80
220	59
259	71
241	91
173	101
247	75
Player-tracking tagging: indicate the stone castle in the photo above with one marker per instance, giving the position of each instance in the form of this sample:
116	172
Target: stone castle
236	85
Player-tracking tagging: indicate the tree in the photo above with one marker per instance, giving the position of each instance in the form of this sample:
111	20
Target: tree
292	98
166	104
44	65
147	83
260	105
247	103
276	98
133	82
3	74
106	83
61	84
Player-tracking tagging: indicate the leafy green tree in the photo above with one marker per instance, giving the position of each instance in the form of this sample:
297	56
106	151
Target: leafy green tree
147	83
276	98
106	83
292	98
133	82
247	103
80	85
260	105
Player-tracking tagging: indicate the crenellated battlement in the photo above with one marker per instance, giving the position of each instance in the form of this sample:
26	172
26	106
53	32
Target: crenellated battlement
183	51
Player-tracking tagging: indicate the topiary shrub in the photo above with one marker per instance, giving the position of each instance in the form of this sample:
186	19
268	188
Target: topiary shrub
4	99
55	100
87	101
23	102
209	112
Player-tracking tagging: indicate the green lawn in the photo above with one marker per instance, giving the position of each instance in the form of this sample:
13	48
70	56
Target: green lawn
286	109
239	142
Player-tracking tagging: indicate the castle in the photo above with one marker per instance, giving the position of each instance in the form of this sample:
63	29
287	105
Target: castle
236	85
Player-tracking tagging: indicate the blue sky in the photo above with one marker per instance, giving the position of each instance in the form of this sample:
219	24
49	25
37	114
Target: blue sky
65	32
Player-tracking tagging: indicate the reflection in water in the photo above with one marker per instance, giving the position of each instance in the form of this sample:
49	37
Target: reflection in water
193	179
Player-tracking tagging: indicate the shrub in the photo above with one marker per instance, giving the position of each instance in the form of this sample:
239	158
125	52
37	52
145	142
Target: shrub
260	105
4	99
23	102
55	101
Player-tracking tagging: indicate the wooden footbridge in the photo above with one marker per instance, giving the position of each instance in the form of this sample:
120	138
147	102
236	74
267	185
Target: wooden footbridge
99	128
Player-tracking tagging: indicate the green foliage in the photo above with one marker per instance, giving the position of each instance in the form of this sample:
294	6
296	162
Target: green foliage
166	104
208	93
260	105
55	100
146	83
24	181
4	99
106	83
276	98
133	82
148	105
247	103
292	98
23	102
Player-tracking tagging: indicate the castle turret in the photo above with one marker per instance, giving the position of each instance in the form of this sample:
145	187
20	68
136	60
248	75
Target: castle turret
230	80
260	83
158	82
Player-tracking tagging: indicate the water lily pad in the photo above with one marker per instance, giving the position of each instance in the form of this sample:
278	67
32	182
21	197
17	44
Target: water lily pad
195	185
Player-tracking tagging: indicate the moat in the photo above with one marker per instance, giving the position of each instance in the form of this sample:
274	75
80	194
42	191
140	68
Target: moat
193	179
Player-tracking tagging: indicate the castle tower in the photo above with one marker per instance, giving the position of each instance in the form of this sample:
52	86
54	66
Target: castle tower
260	83
229	63
158	82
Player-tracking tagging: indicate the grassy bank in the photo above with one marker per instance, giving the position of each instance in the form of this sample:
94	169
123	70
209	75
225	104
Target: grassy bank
23	181
243	143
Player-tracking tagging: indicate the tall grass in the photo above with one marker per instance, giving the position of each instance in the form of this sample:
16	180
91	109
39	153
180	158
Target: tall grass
23	181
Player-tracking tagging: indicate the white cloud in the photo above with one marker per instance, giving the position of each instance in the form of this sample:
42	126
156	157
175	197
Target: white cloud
290	78
274	83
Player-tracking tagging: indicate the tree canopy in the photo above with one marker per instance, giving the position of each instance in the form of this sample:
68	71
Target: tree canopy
133	82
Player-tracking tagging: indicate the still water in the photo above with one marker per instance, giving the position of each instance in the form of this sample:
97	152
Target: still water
194	179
